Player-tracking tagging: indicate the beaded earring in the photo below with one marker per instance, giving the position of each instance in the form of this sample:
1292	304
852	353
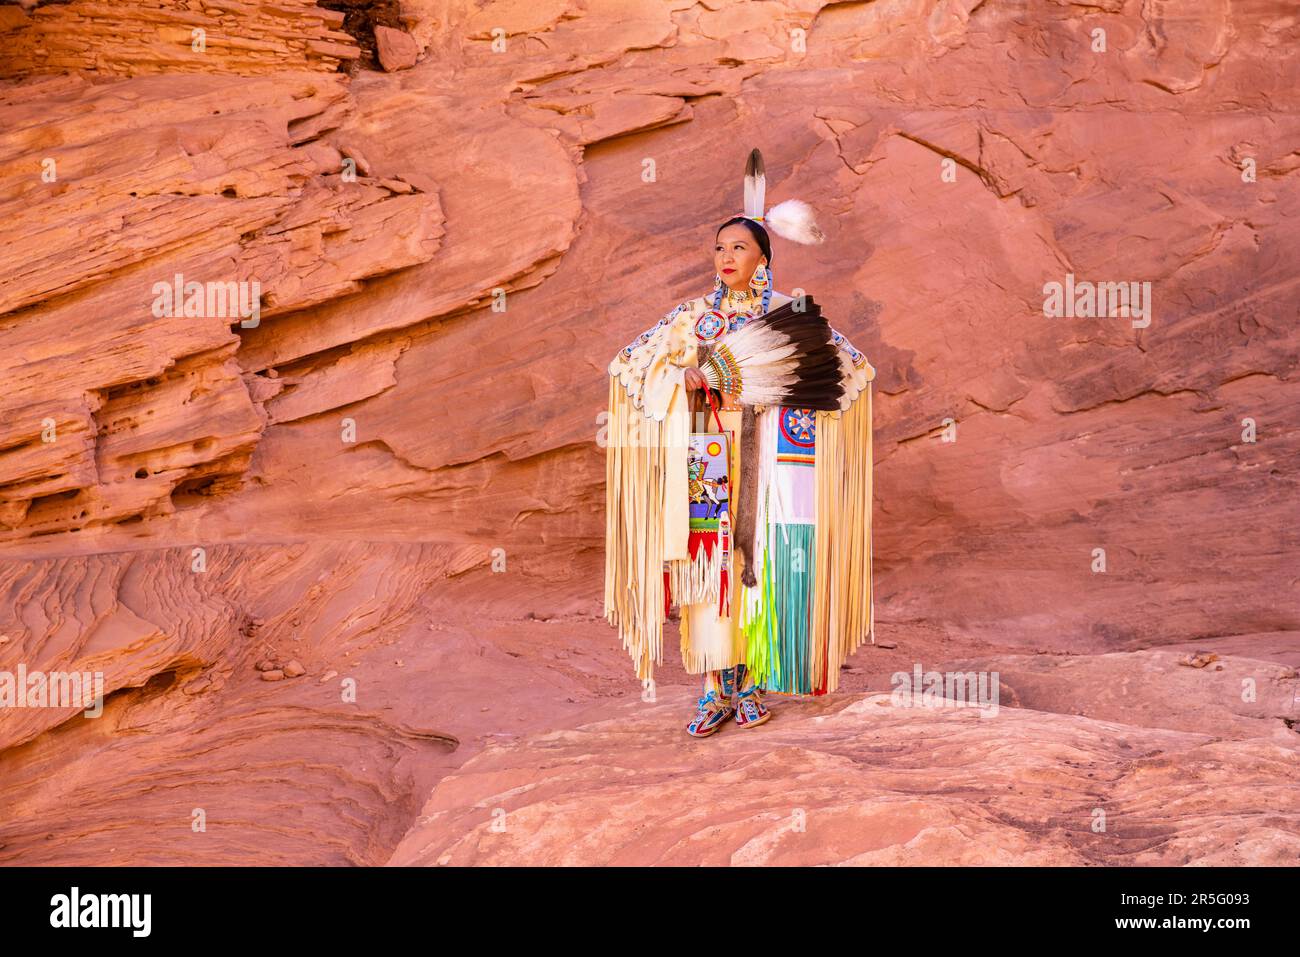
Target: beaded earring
762	281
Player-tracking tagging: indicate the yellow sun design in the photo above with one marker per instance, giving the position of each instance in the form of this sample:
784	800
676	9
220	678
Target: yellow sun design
714	448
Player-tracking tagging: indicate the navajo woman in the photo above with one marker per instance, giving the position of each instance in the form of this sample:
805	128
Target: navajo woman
738	481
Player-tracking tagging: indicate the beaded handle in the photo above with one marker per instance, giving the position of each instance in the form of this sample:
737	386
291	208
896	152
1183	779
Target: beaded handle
709	394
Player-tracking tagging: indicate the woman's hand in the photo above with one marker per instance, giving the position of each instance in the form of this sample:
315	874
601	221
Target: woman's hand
695	379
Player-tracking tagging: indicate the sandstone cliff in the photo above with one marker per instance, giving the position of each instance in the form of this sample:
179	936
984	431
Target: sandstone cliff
340	480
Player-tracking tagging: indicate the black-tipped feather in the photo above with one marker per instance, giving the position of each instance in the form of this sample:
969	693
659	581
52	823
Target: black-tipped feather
808	376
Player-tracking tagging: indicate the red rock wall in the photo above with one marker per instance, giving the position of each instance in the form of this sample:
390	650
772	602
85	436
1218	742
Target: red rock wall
522	170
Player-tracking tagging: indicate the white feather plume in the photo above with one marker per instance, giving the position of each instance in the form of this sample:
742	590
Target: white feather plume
795	220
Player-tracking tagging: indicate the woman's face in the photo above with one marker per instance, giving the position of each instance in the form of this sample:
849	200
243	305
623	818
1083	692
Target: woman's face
736	256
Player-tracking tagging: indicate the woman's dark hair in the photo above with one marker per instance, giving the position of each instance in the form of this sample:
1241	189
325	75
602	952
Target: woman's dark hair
755	230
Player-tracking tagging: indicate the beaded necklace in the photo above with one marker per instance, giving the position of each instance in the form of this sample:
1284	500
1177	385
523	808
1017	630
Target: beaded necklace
725	290
716	323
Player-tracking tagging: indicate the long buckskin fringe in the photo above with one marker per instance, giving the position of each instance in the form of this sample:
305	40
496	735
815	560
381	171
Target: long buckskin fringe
698	579
635	468
697	660
843	613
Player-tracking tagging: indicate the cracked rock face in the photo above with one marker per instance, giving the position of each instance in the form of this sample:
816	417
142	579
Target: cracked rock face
286	336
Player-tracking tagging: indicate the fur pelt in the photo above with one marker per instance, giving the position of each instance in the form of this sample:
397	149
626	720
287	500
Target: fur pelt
747	510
